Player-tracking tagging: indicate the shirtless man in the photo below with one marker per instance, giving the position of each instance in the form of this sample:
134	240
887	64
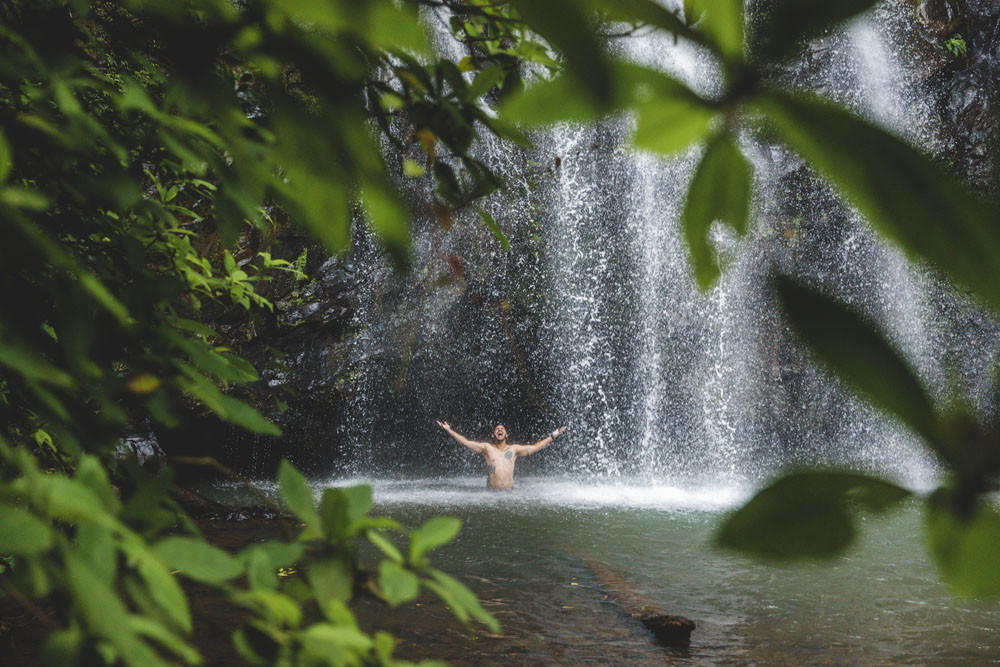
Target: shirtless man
499	456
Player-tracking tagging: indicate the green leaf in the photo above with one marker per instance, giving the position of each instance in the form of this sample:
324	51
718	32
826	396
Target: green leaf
390	220
279	609
105	614
564	25
71	500
147	627
387	547
552	101
720	190
483	83
333	512
467	599
649	13
297	494
806	515
23	533
859	355
492	225
162	587
276	554
359	501
906	197
721	22
32	366
198	560
229	262
669	125
331	579
93	475
460	612
96	544
397	584
6	158
432	534
787	23
228	408
323	643
966	550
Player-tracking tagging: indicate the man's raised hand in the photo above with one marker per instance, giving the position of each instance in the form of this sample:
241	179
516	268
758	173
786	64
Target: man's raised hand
559	431
442	424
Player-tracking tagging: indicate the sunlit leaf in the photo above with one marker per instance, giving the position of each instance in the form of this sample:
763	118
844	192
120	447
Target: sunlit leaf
466	598
565	26
485	80
397	584
966	549
197	559
331	579
297	494
6	158
492	225
23	533
432	534
719	191
105	614
386	546
721	21
859	355
806	515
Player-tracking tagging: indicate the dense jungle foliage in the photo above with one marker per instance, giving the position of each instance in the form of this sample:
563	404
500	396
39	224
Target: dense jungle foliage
149	151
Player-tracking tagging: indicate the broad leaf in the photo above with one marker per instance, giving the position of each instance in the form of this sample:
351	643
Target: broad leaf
564	25
859	355
198	560
385	545
492	225
331	579
906	196
23	533
432	534
721	22
967	550
806	515
466	598
397	584
297	494
359	501
719	191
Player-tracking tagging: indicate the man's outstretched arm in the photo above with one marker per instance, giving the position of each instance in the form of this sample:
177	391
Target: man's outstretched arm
524	450
462	440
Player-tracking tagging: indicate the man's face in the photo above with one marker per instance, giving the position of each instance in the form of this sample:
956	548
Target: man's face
500	433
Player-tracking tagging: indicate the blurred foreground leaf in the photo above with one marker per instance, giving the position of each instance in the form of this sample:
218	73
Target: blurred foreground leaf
806	515
858	354
965	548
432	534
719	191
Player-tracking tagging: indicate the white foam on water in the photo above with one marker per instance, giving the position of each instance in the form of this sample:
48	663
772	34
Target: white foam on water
545	491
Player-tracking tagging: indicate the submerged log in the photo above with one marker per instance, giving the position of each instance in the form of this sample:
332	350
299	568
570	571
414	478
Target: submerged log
668	629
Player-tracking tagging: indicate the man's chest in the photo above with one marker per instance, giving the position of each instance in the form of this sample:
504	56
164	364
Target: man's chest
500	457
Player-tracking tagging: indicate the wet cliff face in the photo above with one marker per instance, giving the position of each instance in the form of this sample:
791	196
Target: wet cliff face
590	320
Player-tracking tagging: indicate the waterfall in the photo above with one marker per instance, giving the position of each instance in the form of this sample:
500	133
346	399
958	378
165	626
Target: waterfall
593	320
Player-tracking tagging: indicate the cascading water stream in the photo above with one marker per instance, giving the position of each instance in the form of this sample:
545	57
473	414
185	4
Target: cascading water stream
596	322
